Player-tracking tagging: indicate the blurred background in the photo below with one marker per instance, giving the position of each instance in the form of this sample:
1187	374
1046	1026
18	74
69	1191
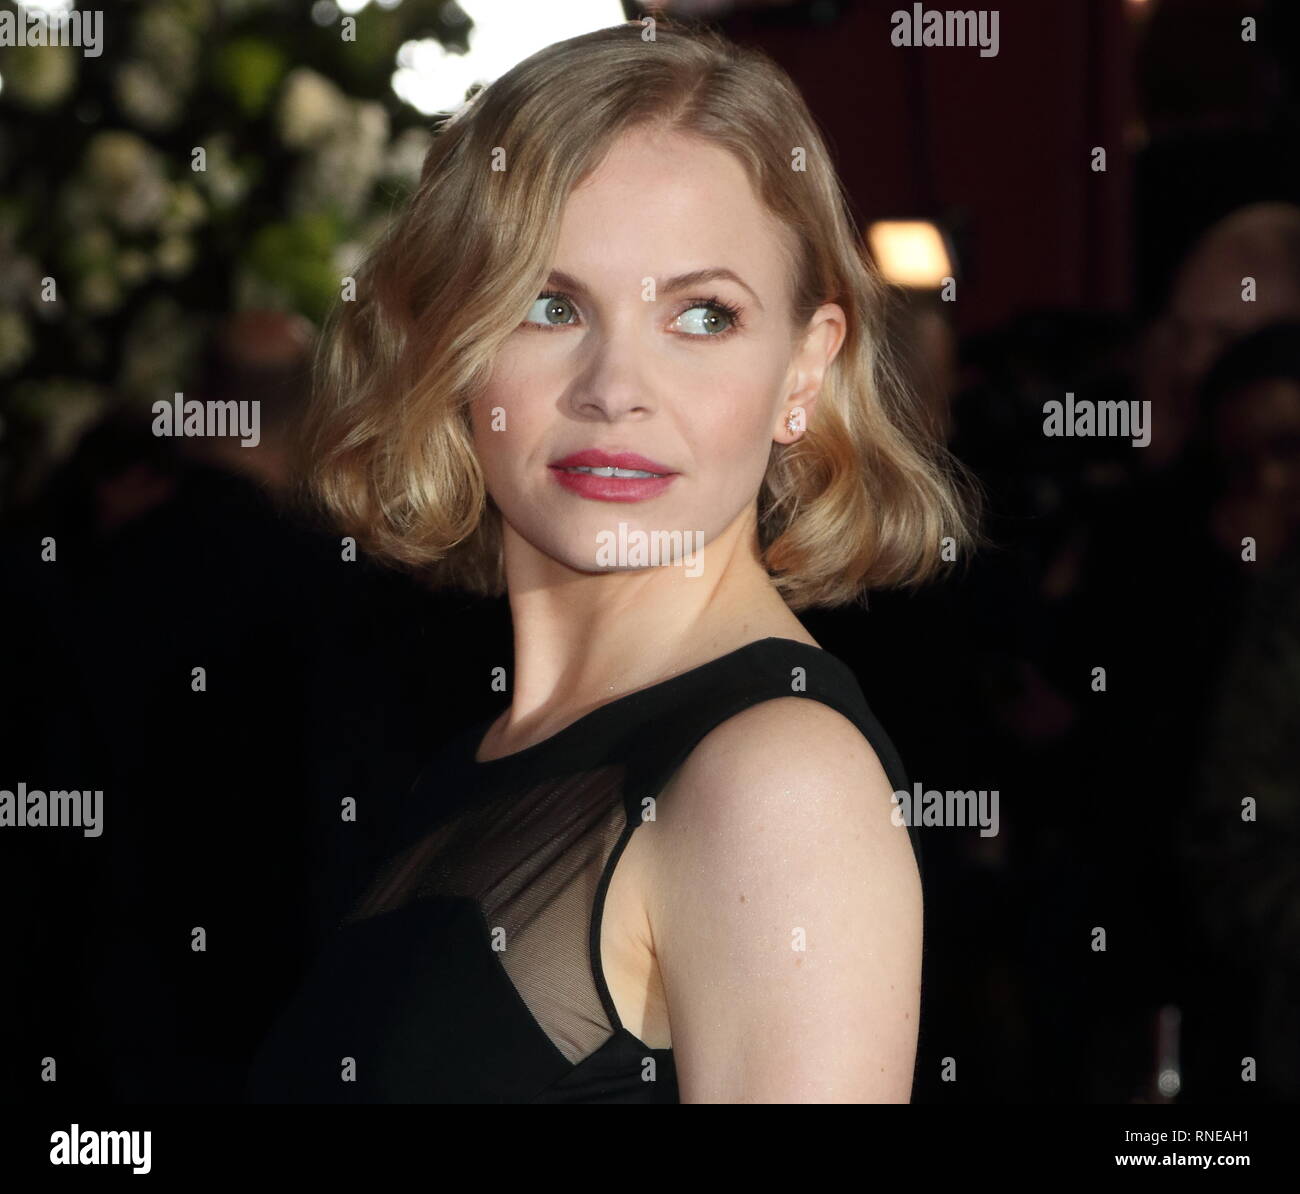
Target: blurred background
175	215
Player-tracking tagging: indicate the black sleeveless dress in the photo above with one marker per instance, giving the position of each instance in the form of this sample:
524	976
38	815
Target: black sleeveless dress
470	971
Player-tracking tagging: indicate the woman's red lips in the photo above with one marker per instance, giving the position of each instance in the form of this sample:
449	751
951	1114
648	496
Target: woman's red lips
595	458
611	488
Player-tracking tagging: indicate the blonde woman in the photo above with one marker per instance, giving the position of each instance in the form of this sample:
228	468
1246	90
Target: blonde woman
620	360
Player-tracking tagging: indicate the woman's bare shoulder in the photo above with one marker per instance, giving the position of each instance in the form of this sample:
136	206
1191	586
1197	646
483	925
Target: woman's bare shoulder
793	734
782	896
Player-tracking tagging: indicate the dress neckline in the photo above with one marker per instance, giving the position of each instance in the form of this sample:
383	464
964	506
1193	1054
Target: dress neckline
479	731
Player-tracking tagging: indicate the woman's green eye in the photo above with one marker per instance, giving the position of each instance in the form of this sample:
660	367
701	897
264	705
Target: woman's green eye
702	320
551	310
708	323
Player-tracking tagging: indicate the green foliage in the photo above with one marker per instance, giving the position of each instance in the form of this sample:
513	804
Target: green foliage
299	256
248	71
216	155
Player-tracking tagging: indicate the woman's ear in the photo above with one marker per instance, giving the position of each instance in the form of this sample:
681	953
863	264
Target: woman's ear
813	356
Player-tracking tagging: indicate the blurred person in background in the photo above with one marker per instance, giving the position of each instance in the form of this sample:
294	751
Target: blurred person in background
1241	839
1209	309
220	805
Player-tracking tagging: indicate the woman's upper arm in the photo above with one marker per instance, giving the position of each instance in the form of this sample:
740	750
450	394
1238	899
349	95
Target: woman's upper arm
785	912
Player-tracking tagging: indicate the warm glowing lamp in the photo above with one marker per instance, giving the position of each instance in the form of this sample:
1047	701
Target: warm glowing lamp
910	253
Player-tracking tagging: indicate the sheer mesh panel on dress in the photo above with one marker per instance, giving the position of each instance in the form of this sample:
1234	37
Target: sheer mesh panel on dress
532	860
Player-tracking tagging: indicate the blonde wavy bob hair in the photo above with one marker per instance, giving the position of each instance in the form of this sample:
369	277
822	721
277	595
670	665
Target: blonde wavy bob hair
864	499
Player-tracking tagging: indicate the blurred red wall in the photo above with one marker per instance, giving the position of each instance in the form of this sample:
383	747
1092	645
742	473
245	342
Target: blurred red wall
1001	146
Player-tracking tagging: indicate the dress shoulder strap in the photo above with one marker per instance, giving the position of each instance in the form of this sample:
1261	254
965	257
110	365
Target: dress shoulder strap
766	670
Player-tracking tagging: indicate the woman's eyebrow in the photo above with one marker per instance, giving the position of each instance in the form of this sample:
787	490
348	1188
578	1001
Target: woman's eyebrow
668	285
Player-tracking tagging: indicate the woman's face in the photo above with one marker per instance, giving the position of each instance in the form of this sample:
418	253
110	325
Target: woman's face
694	377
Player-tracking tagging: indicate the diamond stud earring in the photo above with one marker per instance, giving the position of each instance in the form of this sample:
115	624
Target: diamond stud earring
794	421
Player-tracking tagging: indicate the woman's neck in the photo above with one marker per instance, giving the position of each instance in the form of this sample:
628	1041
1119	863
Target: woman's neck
584	639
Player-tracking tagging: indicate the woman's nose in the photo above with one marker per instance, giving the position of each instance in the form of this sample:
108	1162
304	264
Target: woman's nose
615	382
